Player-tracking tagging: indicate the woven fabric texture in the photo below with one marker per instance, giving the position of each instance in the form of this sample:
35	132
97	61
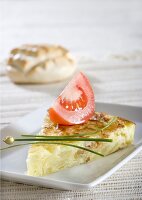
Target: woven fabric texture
121	83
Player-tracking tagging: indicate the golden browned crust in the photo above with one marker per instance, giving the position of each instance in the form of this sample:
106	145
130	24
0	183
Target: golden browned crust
18	56
99	120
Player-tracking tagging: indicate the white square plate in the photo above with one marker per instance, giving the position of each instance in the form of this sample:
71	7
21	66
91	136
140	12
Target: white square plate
13	165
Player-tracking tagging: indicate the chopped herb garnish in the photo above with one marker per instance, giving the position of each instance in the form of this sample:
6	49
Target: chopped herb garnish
42	139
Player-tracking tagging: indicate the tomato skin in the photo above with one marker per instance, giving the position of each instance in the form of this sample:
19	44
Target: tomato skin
76	104
56	118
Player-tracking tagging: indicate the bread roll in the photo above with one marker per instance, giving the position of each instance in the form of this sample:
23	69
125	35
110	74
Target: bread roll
40	64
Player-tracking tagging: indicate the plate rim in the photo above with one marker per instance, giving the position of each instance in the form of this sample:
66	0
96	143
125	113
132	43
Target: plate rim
69	185
5	175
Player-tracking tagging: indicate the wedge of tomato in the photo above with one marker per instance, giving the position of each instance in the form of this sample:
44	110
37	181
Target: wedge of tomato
75	105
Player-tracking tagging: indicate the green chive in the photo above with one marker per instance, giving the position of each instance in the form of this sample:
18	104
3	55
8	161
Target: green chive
64	139
75	137
65	144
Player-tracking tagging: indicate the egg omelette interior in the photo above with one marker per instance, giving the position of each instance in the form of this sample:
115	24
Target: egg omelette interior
44	159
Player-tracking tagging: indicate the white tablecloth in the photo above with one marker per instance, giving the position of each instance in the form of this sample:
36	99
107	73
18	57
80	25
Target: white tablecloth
113	85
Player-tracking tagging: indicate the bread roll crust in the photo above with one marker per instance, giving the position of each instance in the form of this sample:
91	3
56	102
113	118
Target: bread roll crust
40	64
